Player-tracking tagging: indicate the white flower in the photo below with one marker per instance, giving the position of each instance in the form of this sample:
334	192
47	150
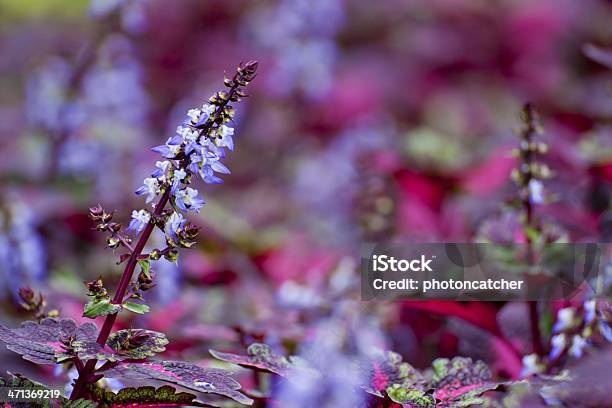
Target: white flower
188	134
139	220
187	199
565	319
589	308
173	224
208	109
152	185
531	365
194	114
558	344
578	345
224	137
536	191
179	174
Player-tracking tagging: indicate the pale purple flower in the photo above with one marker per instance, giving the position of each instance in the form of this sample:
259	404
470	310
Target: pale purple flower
558	345
565	319
224	137
188	200
175	222
150	188
207	174
578	345
140	219
169	150
531	365
162	170
536	191
178	176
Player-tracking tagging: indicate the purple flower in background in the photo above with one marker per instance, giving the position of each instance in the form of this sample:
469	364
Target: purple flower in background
301	35
139	220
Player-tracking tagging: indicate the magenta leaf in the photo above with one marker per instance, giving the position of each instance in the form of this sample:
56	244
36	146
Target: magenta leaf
261	357
205	380
460	381
51	341
385	369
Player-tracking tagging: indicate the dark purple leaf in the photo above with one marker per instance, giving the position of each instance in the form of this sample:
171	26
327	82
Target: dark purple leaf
205	380
51	341
130	344
261	357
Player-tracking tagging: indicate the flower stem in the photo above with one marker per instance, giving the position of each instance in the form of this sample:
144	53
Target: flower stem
107	327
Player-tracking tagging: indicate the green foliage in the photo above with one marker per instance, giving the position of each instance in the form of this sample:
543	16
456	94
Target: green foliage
139	308
99	307
410	397
151	396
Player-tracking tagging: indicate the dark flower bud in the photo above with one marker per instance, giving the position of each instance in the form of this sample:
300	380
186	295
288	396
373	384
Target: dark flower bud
191	231
96	287
155	255
27	294
95	213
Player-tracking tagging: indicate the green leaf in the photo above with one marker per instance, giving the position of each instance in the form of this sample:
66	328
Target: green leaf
145	266
149	396
136	307
99	307
410	397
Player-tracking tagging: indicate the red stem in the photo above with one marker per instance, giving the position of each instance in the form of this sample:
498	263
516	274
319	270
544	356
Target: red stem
119	295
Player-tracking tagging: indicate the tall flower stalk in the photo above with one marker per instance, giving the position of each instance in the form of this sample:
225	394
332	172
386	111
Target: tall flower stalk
197	149
529	178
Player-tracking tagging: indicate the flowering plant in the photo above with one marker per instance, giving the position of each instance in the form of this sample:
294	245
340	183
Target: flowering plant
198	148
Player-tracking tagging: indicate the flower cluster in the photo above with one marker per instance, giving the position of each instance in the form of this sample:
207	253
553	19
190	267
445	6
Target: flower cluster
530	173
576	330
197	149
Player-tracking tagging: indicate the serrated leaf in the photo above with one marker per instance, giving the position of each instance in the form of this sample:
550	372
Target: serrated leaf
460	382
262	357
205	380
80	403
150	396
130	344
408	397
99	307
385	369
49	341
136	307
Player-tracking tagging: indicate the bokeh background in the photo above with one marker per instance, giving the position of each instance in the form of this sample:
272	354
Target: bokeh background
368	120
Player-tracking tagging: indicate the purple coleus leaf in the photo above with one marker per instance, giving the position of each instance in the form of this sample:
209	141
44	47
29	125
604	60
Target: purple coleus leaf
51	341
263	358
460	381
385	369
205	380
130	344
